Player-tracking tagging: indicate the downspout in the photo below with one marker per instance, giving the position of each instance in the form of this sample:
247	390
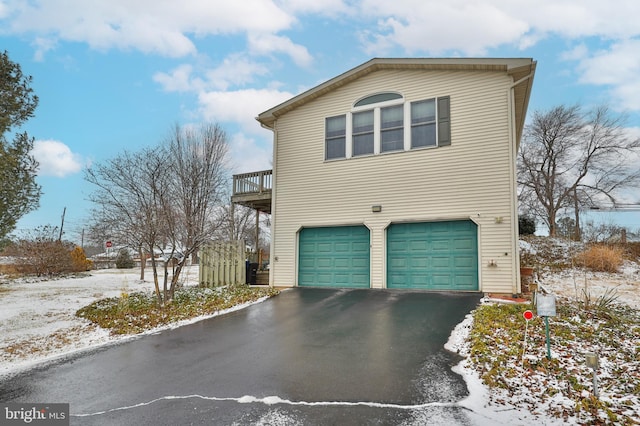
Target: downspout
272	257
513	152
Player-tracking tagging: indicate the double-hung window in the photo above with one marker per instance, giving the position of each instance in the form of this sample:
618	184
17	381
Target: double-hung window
392	128
423	123
362	133
335	137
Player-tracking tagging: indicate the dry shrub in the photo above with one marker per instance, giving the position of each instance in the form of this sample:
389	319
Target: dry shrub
7	269
602	258
633	250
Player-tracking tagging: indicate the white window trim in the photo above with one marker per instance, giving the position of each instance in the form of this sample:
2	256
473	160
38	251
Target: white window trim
377	150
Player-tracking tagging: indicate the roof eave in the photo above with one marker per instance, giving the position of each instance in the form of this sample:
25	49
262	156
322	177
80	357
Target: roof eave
268	118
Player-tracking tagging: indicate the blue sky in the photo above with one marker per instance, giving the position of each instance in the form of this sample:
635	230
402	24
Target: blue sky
118	74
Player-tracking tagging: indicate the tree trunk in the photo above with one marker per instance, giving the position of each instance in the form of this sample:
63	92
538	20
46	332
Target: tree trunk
551	215
143	262
154	266
577	232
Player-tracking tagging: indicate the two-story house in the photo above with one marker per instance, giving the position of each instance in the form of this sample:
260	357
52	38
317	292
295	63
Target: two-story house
401	174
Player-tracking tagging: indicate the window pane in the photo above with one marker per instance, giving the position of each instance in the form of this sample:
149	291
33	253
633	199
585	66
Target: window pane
363	144
392	140
363	122
423	111
335	148
335	136
392	117
380	97
444	121
336	126
423	135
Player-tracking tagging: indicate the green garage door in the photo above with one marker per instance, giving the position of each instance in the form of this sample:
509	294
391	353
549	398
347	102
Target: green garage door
334	257
433	255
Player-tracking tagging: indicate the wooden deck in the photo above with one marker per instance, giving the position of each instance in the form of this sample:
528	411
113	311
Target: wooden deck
253	190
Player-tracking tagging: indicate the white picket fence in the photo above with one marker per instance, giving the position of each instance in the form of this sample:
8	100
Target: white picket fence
222	264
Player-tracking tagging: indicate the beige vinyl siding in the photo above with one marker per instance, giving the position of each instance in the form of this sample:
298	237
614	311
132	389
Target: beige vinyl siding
468	180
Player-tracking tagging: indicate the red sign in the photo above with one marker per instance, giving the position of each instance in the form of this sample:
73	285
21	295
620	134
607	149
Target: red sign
108	244
528	315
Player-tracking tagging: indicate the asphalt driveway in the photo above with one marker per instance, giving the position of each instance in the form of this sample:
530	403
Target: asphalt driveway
307	356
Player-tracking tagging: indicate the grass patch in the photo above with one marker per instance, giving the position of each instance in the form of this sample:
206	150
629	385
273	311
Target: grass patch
137	312
609	329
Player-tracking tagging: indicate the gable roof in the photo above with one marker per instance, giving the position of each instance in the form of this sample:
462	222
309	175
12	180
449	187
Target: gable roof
522	71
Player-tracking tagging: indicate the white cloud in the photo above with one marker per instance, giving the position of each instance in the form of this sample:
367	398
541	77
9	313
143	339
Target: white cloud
265	44
235	70
619	69
56	159
325	7
151	26
473	27
43	45
4	10
436	27
249	155
240	106
178	80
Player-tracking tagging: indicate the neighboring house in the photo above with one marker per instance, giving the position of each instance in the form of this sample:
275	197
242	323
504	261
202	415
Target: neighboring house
400	173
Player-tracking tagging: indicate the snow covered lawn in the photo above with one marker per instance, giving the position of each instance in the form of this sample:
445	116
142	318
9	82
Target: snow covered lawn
38	322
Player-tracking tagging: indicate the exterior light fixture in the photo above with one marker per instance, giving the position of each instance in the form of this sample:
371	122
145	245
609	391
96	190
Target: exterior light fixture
376	209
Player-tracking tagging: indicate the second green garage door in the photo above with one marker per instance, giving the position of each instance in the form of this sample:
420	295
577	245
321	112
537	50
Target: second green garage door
433	255
334	257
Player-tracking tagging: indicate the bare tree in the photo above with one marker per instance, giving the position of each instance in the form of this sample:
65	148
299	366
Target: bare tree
163	199
198	177
237	223
129	201
570	159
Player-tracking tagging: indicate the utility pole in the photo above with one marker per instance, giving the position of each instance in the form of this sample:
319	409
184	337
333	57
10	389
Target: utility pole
62	224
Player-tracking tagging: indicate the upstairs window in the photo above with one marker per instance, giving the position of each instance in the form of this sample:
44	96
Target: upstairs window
362	133
423	123
392	128
335	137
385	122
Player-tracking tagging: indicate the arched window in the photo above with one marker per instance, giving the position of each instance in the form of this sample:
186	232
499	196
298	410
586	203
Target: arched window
377	98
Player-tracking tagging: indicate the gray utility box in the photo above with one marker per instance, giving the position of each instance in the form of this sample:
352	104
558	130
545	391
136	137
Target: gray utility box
546	305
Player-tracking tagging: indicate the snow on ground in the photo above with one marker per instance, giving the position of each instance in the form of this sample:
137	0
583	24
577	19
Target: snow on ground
37	317
624	285
38	323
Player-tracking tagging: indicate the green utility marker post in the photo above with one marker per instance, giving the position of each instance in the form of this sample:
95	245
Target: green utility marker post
546	306
546	323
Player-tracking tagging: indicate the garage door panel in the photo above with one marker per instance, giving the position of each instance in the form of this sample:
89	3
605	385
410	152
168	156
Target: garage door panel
362	247
419	262
465	262
418	245
324	247
441	262
440	245
433	255
464	244
418	280
398	262
361	263
334	257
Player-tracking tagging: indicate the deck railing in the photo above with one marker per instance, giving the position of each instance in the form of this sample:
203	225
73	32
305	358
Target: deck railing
253	183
